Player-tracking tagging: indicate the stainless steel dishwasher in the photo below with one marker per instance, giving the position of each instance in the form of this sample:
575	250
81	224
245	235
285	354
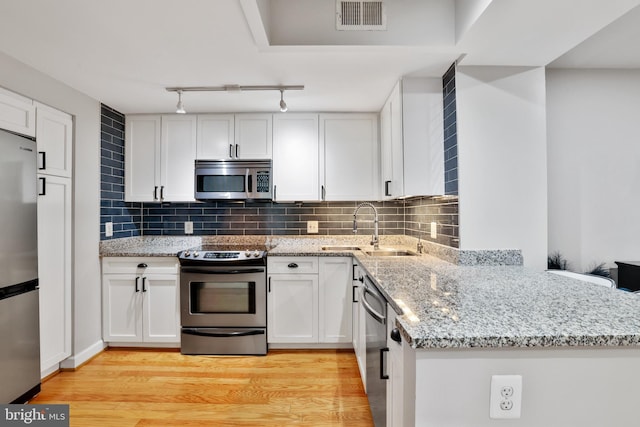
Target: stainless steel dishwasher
375	306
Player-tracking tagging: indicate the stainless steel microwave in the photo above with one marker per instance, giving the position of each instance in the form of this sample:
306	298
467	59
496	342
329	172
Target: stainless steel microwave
233	179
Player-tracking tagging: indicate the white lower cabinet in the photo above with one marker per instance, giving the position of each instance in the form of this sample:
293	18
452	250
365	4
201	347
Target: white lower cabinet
359	325
309	300
140	298
395	384
54	269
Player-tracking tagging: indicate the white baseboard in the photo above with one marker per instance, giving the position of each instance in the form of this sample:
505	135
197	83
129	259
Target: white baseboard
81	357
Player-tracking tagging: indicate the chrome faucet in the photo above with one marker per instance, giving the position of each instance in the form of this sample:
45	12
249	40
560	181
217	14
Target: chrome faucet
375	239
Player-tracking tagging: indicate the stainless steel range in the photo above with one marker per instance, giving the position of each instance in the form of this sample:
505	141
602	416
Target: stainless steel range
223	300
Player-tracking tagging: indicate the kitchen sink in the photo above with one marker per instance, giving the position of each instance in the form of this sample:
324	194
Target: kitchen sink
340	248
389	252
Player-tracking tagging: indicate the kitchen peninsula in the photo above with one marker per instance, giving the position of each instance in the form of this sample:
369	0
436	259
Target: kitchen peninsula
574	344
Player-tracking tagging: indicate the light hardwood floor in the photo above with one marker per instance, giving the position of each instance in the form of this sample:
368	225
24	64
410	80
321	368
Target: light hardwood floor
144	388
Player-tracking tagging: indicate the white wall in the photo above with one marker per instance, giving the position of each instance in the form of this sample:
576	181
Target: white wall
593	119
561	387
502	160
20	78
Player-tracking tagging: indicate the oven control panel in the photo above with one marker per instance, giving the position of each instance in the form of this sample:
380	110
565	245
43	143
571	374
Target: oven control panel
218	256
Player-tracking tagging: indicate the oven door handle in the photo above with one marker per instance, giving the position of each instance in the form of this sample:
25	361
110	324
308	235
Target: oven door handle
208	271
199	333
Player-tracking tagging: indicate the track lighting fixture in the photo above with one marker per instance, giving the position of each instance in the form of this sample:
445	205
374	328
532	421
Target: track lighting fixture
180	106
283	105
231	88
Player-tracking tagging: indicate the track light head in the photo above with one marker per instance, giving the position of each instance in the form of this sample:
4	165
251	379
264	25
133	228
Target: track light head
283	105
180	106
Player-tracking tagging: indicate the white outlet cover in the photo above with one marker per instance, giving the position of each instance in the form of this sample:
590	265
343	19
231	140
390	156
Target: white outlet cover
434	230
497	402
188	227
108	229
312	227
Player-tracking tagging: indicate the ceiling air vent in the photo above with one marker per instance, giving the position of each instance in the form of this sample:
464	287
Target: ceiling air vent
364	15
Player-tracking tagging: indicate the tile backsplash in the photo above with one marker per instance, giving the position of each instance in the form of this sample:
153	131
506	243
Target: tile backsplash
399	217
450	131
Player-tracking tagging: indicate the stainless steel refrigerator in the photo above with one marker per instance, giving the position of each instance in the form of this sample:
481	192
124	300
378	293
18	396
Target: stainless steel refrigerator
19	327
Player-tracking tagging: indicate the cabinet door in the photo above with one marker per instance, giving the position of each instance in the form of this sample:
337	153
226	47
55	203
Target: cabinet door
358	327
349	168
335	297
253	136
395	386
386	159
215	136
17	113
54	269
397	144
292	308
121	308
177	157
142	158
54	138
295	157
161	312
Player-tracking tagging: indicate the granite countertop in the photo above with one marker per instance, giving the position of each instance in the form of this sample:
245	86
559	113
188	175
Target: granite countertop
448	306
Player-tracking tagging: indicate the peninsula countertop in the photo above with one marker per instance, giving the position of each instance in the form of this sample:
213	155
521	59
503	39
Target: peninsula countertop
452	306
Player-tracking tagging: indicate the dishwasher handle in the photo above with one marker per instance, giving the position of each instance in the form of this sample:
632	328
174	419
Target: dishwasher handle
379	317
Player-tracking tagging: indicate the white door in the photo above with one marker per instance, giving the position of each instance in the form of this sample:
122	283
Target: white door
54	138
215	136
142	158
292	308
161	313
253	136
295	157
54	269
335	299
122	308
177	158
350	148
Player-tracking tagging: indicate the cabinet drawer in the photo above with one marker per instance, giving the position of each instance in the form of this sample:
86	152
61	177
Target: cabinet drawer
292	265
130	265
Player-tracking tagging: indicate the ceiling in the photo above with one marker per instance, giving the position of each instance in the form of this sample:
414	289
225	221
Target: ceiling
125	53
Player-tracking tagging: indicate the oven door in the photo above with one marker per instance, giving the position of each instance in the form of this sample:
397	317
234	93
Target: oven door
223	296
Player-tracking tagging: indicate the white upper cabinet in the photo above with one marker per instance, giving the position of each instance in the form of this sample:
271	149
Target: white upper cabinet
295	157
239	136
391	146
216	138
54	138
413	139
142	169
349	168
17	113
253	136
178	145
159	158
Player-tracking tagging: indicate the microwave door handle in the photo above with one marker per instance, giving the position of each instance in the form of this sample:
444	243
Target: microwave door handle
246	182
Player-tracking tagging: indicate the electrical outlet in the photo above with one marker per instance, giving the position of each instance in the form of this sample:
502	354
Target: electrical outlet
188	227
312	227
108	229
434	230
506	396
